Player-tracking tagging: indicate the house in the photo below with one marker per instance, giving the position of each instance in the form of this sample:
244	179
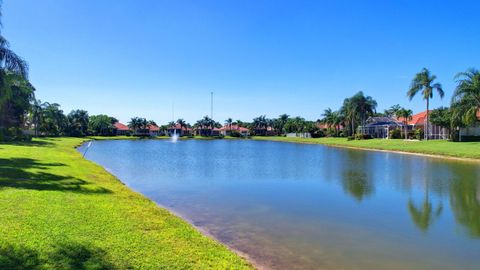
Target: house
471	133
380	127
153	130
299	135
268	131
121	129
207	131
179	130
228	130
419	121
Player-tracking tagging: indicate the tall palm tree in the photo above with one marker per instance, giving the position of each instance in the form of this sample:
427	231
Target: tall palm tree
328	117
423	82
36	111
282	120
466	98
406	115
229	122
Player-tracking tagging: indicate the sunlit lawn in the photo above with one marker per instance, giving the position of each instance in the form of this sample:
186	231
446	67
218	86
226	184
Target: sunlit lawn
60	211
434	147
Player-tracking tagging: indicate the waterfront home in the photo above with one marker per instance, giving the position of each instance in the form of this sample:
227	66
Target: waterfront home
265	131
380	127
228	130
153	130
179	130
121	129
207	131
299	135
419	121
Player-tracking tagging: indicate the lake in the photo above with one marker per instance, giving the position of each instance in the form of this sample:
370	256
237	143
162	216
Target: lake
297	206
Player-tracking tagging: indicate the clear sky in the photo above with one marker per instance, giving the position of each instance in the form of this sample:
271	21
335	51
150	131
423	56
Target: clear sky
136	57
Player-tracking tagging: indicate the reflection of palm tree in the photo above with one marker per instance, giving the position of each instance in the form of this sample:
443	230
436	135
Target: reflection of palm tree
465	202
423	217
357	185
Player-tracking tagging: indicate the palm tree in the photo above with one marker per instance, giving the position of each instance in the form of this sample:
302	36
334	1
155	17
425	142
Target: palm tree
229	122
36	112
282	120
466	98
423	82
328	117
393	111
406	114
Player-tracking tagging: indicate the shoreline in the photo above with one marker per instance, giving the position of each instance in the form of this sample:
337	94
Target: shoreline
436	156
255	264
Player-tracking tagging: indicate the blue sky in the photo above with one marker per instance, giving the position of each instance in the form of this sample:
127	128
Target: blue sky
137	57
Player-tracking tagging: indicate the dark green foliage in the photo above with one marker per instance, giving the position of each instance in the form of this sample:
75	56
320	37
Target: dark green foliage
395	134
418	133
101	125
359	136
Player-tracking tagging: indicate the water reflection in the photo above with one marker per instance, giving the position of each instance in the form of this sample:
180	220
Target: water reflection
465	202
296	206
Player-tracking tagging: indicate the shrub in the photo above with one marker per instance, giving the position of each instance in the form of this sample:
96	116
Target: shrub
395	134
235	134
13	134
419	134
350	138
363	137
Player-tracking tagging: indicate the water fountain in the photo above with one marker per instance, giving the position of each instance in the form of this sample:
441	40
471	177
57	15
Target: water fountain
174	138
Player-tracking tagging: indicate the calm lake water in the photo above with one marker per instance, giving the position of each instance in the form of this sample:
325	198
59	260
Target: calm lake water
294	206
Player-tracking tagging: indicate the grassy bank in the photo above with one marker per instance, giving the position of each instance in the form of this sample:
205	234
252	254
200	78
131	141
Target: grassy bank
60	211
433	147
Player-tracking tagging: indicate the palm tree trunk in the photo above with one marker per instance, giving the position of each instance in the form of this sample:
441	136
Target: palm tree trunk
426	124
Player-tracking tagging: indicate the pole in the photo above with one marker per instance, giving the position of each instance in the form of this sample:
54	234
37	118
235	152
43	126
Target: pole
211	105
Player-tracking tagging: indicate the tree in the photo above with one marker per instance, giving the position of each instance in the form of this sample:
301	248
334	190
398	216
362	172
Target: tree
466	98
182	123
77	123
423	82
229	122
36	113
16	94
281	121
138	123
441	117
54	122
101	124
357	109
393	111
406	115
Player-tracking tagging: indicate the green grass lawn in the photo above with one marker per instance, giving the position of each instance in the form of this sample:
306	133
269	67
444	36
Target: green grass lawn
60	211
432	147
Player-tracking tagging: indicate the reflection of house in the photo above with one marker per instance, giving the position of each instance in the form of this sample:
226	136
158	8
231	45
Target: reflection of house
380	127
228	130
419	121
121	129
179	130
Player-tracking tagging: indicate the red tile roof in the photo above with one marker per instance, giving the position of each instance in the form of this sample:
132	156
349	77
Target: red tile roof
417	119
120	126
153	128
233	127
178	126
